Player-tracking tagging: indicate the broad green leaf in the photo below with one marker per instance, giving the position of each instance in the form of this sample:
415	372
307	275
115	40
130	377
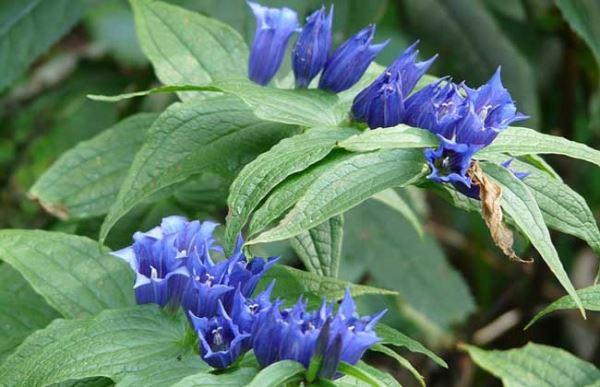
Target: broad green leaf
401	361
401	136
28	28
22	310
397	258
346	185
320	247
360	374
259	177
186	47
590	297
74	274
305	107
293	283
563	209
522	141
85	180
583	16
286	194
238	378
536	365
118	344
389	335
383	377
278	374
520	205
473	45
219	134
392	199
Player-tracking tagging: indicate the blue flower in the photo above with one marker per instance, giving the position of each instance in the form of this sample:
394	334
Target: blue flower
297	334
221	342
312	48
274	27
213	283
350	61
494	105
381	104
244	311
158	258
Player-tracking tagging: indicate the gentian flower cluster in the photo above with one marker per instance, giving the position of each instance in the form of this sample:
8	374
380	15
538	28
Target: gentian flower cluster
311	53
174	268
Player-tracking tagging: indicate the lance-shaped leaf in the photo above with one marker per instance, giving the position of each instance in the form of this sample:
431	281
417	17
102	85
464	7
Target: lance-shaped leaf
305	107
520	205
74	274
117	344
293	283
401	361
28	28
401	136
85	180
286	194
219	134
590	297
346	185
392	199
186	47
320	247
259	177
536	365
391	336
279	374
22	310
522	141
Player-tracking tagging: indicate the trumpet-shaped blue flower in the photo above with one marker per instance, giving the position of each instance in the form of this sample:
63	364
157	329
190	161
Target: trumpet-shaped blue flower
350	61
221	341
213	283
381	104
274	27
244	311
158	258
297	334
312	48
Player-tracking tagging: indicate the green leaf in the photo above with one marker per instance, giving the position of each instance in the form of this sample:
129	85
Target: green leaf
278	374
118	344
28	28
238	378
361	374
397	258
259	177
583	17
536	365
293	283
389	335
392	199
186	47
522	141
346	185
397	137
219	134
85	180
286	194
520	205
74	274
22	310
590	297
563	209
401	361
305	107
351	381
320	247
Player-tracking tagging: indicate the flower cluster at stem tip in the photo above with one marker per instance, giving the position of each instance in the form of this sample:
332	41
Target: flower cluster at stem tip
464	119
174	269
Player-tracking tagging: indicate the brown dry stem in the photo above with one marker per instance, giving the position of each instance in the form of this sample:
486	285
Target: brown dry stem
490	194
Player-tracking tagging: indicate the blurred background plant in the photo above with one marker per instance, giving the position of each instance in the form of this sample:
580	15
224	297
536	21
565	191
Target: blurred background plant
454	285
